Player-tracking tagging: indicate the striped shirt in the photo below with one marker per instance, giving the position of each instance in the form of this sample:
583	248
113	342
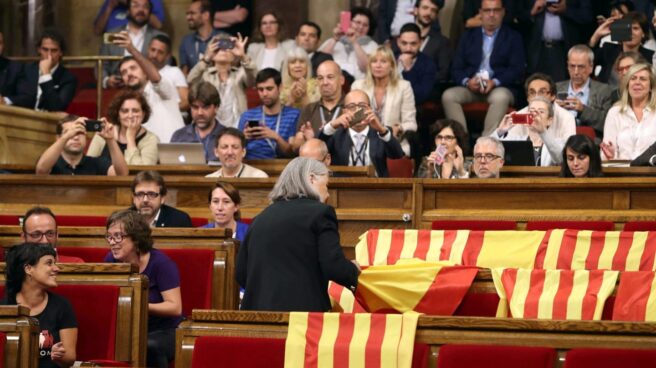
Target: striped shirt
266	148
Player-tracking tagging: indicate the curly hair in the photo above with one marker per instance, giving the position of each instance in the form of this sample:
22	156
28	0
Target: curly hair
117	103
135	226
17	257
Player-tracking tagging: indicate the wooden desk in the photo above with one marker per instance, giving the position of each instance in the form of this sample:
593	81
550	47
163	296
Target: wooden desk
22	346
25	134
554	171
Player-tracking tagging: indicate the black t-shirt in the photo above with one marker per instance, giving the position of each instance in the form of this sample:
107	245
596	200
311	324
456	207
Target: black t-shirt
244	27
87	166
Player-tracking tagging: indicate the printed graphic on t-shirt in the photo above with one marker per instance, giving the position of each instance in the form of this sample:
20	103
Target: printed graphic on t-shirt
46	340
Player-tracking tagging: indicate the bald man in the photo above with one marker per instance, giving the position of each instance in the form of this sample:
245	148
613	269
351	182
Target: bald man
330	81
316	149
358	138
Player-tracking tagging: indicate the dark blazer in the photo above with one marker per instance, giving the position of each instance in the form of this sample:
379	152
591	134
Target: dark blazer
290	253
340	144
600	100
421	77
439	49
172	217
643	159
56	95
10	72
508	60
317	58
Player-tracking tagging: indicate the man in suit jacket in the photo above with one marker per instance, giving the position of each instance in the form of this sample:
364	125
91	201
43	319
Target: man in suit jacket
307	37
363	143
488	67
434	44
140	33
148	196
10	72
416	67
46	85
587	100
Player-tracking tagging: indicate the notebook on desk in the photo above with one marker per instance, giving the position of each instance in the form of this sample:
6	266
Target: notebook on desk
519	153
181	153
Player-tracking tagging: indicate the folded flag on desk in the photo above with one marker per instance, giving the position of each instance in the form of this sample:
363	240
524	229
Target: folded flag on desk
636	297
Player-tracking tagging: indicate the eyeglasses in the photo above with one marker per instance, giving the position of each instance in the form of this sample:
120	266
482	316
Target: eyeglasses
361	105
541	92
487	156
150	195
447	138
37	235
115	238
623	69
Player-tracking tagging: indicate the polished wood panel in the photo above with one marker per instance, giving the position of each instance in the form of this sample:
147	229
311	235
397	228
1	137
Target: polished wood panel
22	345
25	134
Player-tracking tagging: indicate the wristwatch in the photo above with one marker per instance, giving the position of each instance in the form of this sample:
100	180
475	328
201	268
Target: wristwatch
652	160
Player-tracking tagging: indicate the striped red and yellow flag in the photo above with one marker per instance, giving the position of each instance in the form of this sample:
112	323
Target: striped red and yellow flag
597	250
433	288
342	299
553	294
636	297
325	340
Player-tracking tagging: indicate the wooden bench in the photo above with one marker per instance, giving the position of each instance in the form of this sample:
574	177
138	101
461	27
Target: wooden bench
224	289
132	307
21	348
434	331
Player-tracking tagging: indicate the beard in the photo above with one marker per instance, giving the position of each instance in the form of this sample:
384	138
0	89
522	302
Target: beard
137	22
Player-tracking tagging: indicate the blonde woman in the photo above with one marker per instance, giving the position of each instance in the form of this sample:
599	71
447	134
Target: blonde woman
630	126
298	86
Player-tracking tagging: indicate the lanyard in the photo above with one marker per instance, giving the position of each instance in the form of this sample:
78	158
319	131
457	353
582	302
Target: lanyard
359	155
323	118
271	142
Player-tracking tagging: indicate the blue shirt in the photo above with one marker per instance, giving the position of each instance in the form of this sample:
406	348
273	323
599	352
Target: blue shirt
188	134
583	95
119	16
192	46
266	148
488	47
239	234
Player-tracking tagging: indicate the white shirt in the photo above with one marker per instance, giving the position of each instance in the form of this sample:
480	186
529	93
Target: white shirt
404	14
137	38
348	61
269	59
175	75
165	117
629	136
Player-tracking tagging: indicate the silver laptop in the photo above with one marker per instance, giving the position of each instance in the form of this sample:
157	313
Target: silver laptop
181	153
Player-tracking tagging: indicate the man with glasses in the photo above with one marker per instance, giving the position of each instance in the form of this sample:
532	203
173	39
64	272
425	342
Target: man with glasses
148	196
40	226
488	67
488	158
586	99
358	138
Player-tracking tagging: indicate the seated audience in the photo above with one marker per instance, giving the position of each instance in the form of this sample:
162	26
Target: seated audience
491	76
217	67
268	127
606	54
623	63
294	242
66	156
391	96
630	126
127	112
488	158
10	72
40	226
415	66
448	157
30	273
433	43
307	38
298	86
45	85
230	148
360	143
148	197
137	30
548	137
199	20
130	241
539	84
580	158
159	53
140	75
224	200
267	47
315	149
115	14
587	100
351	49
205	126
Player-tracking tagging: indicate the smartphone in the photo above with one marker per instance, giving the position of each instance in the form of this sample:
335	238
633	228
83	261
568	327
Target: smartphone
253	123
93	125
620	30
344	21
357	117
440	152
109	37
562	95
552	2
522	118
225	44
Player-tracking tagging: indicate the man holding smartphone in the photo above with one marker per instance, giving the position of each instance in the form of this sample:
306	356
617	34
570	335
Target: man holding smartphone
66	155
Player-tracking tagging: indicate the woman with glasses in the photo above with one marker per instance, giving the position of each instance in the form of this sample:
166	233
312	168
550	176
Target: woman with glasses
447	159
292	248
224	200
127	112
298	87
30	273
268	49
130	241
547	134
622	65
581	158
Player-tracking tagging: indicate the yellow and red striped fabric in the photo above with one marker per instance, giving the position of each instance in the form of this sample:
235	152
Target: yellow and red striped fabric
553	294
343	300
636	297
597	250
433	288
325	340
